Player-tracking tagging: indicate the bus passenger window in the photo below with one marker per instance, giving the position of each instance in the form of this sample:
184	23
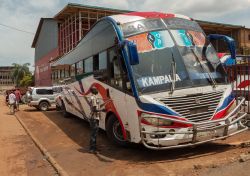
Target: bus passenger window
115	70
88	65
95	62
102	60
116	74
73	70
66	73
79	67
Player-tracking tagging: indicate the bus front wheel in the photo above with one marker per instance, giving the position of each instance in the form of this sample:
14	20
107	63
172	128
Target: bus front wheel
114	131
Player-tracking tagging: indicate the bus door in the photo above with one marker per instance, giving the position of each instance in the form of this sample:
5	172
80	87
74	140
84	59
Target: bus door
116	84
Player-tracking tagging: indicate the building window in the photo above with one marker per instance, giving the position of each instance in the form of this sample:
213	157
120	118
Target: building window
248	36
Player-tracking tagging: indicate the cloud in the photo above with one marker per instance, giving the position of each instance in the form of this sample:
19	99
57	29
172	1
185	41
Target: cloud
26	14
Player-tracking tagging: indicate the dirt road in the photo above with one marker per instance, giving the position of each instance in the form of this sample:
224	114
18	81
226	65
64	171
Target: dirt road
67	141
18	154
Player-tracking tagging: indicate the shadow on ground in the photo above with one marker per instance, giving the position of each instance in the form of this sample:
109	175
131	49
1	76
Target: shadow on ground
78	130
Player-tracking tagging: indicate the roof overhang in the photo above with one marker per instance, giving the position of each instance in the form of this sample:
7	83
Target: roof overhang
218	26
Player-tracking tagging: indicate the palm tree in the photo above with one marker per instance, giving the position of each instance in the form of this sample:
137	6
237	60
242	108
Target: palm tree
19	72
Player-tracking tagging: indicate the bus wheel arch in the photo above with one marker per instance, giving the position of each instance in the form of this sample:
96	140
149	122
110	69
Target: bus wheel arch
114	129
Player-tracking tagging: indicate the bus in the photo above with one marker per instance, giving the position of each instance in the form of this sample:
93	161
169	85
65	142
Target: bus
166	85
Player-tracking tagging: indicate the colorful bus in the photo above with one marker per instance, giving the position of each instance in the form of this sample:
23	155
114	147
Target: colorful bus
166	85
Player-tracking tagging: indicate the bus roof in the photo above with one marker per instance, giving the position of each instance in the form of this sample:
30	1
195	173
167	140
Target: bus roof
135	16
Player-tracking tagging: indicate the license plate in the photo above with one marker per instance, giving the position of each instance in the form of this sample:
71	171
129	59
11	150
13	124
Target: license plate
206	134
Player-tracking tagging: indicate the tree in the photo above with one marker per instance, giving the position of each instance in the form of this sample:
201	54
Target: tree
19	72
28	80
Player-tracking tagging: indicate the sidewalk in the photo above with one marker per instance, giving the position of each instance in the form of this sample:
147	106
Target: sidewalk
18	154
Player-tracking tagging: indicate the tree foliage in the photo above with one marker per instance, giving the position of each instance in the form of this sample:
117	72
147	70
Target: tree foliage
20	72
27	81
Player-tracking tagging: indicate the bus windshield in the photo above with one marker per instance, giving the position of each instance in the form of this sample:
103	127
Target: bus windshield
195	59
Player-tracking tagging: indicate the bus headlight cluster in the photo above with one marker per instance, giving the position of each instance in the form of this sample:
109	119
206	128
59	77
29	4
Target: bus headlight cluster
155	120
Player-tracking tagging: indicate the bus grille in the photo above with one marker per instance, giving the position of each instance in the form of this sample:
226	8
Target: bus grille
194	107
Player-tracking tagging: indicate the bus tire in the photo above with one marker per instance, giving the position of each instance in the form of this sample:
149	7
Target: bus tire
44	106
66	114
114	131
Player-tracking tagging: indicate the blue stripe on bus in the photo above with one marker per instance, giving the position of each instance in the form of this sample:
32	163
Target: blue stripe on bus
226	102
156	108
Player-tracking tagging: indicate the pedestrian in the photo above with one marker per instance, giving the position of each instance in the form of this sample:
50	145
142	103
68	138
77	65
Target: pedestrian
18	98
94	119
12	102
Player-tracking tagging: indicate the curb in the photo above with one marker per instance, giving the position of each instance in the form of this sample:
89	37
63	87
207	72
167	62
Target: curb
42	149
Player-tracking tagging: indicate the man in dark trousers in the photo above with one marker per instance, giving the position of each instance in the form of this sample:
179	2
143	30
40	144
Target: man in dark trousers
96	109
94	119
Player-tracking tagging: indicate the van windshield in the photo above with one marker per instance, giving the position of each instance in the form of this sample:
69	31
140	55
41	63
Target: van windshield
196	61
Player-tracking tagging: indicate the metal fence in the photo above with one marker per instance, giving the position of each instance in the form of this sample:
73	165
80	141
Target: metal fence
239	76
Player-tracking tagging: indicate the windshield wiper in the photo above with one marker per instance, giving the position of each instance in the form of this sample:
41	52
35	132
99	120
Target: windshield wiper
173	75
206	70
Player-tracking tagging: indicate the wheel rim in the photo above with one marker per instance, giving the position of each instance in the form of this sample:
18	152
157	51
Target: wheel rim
117	131
44	106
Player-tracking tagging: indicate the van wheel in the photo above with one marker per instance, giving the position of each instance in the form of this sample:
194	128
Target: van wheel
44	106
66	114
114	131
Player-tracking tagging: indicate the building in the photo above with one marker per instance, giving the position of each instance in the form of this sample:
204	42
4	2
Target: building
57	36
6	81
241	35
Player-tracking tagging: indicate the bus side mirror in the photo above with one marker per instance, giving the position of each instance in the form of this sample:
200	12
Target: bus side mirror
133	54
230	42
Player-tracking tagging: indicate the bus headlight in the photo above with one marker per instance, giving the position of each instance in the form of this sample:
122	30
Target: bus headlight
155	120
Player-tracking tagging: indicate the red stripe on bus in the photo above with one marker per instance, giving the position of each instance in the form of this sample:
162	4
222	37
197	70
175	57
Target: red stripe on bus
109	106
151	14
244	84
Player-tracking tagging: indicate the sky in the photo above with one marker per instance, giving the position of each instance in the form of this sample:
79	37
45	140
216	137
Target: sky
19	18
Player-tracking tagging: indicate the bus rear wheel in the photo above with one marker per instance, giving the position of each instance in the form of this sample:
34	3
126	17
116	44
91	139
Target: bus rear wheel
66	114
114	131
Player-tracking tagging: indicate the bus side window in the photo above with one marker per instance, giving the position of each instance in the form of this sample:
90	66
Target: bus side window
118	72
72	70
115	71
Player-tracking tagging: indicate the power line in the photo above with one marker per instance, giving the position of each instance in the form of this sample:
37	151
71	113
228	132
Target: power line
14	28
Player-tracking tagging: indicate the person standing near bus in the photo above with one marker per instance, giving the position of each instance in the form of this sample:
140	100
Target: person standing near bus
12	102
18	98
94	119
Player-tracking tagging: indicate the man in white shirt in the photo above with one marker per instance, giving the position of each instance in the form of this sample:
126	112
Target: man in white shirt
12	102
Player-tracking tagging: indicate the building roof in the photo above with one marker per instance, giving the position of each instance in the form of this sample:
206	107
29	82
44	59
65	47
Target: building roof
218	25
6	68
39	30
71	8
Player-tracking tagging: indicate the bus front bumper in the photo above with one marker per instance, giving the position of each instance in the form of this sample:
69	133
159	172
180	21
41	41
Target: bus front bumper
161	138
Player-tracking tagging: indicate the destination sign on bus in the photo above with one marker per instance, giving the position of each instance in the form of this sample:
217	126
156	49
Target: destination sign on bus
179	23
141	26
